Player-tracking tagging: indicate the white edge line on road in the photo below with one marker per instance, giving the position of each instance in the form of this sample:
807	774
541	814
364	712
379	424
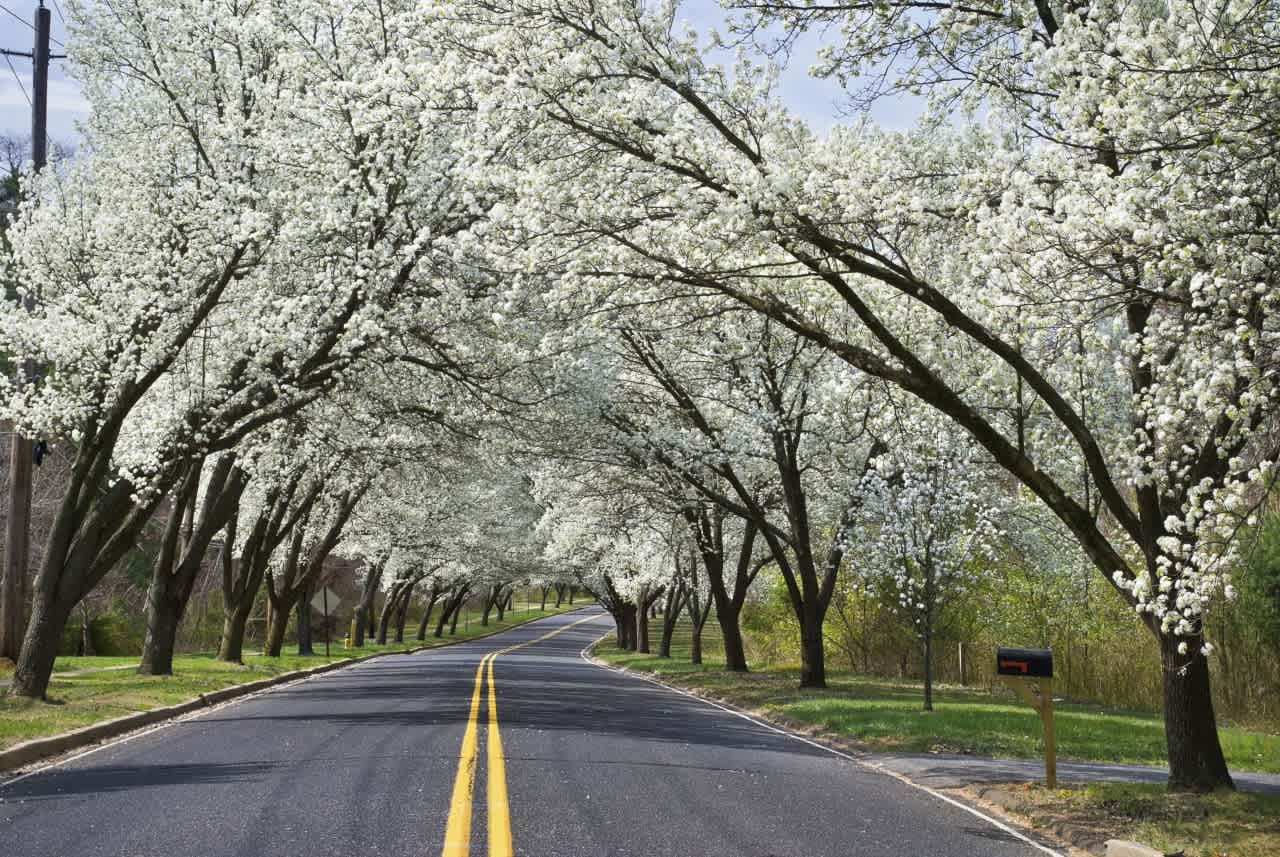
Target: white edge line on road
995	822
40	768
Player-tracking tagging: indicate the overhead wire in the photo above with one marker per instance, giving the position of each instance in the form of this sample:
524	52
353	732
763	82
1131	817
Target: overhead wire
28	24
17	79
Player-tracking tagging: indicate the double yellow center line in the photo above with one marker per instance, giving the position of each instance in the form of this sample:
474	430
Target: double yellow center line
457	833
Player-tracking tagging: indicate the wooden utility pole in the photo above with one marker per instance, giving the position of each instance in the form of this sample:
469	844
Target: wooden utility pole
18	524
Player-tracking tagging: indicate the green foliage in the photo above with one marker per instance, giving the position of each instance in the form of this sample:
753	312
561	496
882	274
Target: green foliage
1258	583
114	632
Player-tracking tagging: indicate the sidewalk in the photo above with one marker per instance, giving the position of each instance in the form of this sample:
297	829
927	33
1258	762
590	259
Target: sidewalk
945	771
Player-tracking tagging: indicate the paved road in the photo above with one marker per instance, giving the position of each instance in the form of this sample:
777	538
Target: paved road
374	760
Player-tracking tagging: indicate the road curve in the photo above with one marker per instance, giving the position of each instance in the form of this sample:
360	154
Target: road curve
366	761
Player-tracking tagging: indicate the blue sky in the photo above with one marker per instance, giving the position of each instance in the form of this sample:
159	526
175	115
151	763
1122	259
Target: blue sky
817	101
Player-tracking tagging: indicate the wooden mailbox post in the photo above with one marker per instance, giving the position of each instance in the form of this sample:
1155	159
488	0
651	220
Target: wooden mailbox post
1020	669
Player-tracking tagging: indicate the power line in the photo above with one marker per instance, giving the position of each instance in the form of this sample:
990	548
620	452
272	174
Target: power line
58	9
17	79
28	24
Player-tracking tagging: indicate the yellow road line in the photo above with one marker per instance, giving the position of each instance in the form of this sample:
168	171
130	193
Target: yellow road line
457	832
496	809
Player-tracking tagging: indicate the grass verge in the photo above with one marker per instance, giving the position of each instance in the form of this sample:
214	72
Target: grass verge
877	714
1225	823
90	697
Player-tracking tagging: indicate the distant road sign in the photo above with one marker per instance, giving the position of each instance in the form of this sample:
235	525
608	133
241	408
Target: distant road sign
317	600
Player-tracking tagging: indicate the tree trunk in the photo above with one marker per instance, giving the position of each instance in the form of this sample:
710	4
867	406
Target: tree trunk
642	624
40	648
572	590
164	612
86	647
231	648
402	613
489	603
670	615
1196	762
453	622
695	647
928	667
735	655
559	595
450	605
364	609
813	667
388	612
426	613
304	621
503	601
629	620
242	581
543	606
276	630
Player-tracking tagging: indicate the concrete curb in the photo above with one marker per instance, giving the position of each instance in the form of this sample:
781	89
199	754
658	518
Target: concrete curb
20	755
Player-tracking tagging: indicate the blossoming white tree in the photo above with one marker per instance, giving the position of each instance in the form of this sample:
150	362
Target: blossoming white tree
926	530
1085	284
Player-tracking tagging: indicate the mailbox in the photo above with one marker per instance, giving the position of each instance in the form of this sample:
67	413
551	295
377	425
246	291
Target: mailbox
1025	663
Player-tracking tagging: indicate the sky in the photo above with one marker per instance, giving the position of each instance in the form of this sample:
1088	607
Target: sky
66	104
816	101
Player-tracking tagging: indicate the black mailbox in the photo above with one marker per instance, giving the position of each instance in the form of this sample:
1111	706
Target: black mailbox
1030	663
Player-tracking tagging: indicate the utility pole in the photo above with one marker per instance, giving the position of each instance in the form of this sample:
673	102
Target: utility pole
13	584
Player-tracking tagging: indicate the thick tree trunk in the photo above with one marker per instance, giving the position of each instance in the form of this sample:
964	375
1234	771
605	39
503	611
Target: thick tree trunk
165	601
695	646
276	631
450	605
164	612
735	655
402	613
82	546
559	595
233	627
489	603
629	627
426	613
303	612
642	626
242	581
813	667
670	615
40	647
1196	762
387	614
503	602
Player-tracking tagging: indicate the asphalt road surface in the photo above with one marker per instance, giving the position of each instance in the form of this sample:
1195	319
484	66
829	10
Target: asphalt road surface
410	755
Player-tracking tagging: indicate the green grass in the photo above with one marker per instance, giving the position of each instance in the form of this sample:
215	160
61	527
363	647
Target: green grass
881	714
1224	823
76	701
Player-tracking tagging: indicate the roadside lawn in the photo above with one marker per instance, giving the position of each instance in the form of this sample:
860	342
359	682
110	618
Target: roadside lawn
1232	824
79	700
877	714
